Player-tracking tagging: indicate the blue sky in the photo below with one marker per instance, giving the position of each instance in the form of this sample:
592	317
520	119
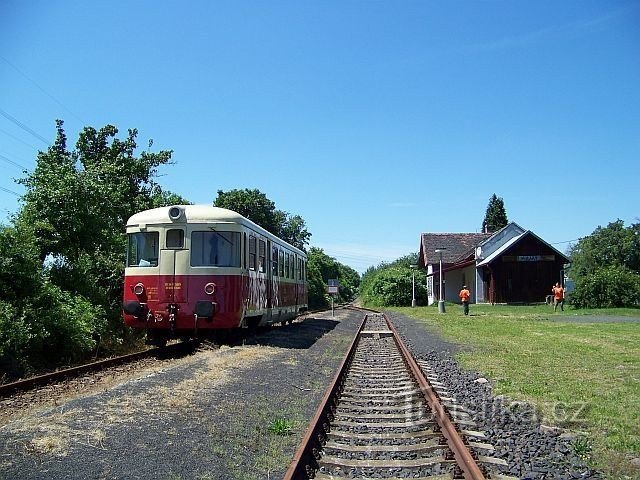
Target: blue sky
375	121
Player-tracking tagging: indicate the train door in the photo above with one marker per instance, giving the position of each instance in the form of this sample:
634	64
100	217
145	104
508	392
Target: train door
174	261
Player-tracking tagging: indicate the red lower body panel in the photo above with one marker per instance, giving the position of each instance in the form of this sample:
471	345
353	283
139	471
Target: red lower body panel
162	302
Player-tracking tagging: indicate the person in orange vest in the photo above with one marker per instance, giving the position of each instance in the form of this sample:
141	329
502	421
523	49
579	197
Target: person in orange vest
464	296
558	297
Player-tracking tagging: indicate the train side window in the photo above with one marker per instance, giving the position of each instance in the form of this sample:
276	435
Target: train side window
175	238
293	266
281	264
286	265
252	252
262	260
244	250
215	249
274	261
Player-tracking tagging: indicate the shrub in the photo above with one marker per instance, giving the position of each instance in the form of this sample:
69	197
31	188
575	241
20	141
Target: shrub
607	287
392	287
52	328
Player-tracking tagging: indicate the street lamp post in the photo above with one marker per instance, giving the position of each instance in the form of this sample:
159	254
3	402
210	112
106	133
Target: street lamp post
413	285
441	308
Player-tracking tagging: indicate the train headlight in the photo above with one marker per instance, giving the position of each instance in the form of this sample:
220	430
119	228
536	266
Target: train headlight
175	213
210	288
138	289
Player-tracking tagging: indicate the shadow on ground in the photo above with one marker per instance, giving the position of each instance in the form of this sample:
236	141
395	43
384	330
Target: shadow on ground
300	334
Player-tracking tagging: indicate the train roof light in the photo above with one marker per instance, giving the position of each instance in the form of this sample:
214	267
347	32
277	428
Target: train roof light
175	213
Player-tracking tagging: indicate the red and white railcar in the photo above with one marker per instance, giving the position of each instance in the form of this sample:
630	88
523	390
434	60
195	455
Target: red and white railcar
194	269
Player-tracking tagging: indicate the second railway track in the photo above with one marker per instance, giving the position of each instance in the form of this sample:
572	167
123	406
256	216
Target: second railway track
31	383
382	418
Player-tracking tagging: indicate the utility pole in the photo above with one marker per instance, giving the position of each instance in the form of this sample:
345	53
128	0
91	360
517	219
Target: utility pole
441	308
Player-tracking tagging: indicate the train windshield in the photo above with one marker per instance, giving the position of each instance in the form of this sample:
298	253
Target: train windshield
142	249
215	249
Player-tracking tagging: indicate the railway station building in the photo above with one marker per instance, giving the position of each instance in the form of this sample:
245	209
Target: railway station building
512	265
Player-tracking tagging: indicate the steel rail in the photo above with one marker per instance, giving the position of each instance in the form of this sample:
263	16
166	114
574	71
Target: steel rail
305	460
311	444
464	459
29	383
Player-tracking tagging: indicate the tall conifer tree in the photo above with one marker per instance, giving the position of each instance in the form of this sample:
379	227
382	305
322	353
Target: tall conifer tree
496	216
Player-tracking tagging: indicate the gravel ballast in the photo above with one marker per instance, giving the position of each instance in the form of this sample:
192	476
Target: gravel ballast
532	450
207	416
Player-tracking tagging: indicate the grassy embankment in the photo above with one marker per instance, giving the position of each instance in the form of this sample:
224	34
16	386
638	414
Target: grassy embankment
582	375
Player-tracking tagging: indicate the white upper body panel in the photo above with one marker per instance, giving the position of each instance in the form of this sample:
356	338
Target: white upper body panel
198	214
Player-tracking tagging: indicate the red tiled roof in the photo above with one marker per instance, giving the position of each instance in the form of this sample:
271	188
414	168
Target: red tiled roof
459	246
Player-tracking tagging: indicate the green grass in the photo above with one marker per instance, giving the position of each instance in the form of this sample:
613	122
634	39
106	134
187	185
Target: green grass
281	426
583	376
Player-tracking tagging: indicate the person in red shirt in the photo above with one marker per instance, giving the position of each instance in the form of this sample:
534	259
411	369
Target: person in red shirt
558	297
464	296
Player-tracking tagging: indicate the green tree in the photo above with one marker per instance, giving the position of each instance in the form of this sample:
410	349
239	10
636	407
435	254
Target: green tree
40	323
320	268
254	205
496	216
608	287
391	283
613	245
606	267
65	247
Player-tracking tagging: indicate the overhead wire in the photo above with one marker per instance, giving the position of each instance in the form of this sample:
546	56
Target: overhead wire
41	89
10	191
12	162
19	140
567	241
24	127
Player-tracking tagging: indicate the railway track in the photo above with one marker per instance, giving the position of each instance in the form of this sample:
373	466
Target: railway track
30	383
386	416
27	384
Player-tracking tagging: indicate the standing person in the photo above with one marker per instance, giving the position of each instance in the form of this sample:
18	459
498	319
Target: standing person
558	297
464	296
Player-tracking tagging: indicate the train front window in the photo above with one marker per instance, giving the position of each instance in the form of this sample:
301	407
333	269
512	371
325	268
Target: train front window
175	238
142	249
215	249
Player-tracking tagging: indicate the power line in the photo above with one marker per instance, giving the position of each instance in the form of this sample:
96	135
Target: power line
18	139
10	191
24	127
567	241
40	88
8	160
